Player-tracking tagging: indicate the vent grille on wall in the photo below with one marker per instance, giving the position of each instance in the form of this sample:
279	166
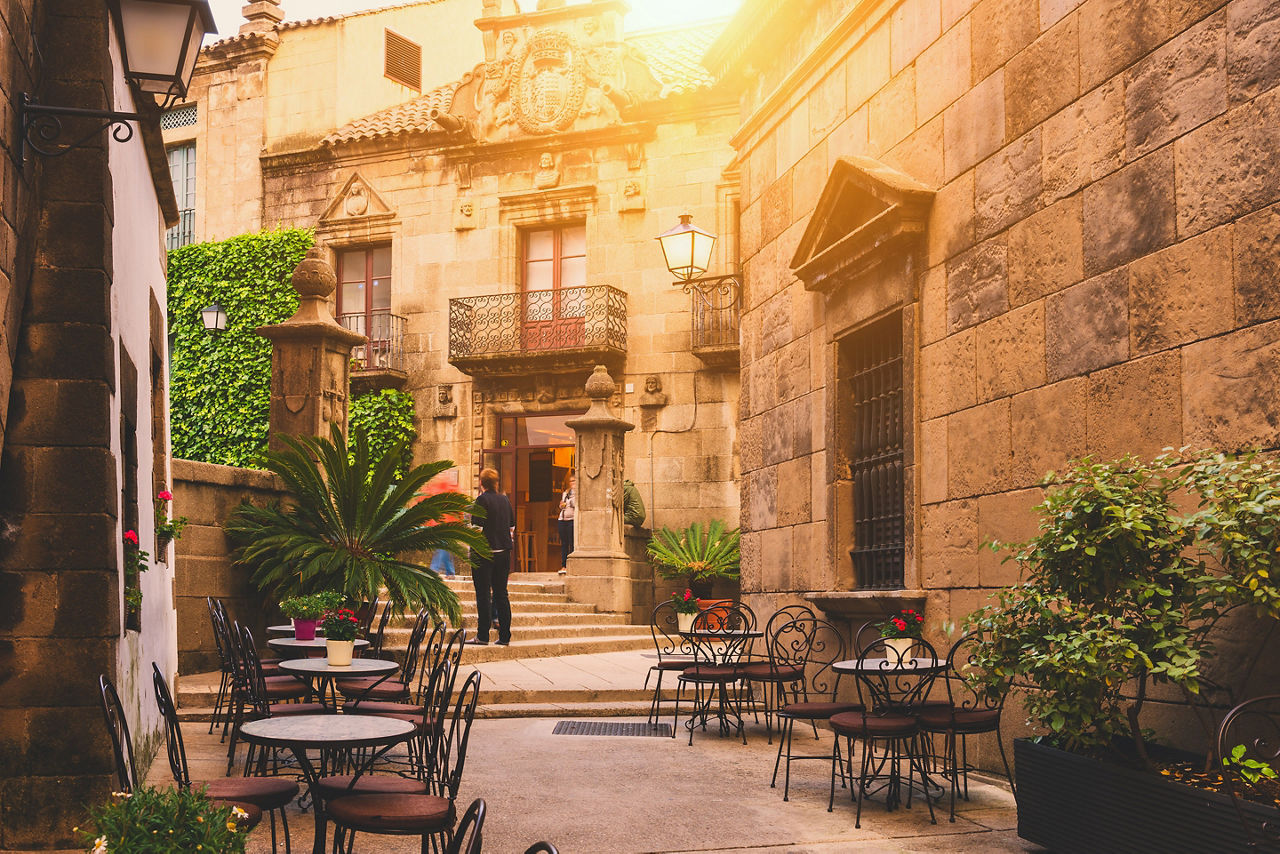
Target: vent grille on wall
180	118
404	61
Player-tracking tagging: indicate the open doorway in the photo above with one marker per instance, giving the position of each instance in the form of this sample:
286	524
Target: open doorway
533	457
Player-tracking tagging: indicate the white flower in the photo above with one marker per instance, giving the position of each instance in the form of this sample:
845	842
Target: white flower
100	845
239	814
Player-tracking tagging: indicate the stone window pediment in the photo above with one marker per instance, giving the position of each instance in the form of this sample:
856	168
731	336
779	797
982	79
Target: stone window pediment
356	201
867	212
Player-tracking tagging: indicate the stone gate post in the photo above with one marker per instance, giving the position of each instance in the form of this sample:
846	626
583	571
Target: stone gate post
310	358
599	571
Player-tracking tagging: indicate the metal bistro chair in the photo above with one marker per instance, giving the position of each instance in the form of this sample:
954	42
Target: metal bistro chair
393	690
222	704
262	696
816	697
675	652
720	637
268	794
429	815
786	654
971	709
122	751
889	684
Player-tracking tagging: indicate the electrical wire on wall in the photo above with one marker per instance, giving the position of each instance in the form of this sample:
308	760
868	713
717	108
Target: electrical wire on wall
653	434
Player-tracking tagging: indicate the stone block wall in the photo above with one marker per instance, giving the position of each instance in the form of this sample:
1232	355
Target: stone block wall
206	494
1098	269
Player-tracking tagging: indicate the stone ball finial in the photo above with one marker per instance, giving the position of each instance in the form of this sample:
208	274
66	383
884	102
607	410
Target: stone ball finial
600	386
314	276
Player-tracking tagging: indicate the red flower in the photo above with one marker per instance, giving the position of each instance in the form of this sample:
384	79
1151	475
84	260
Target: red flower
919	619
900	625
165	495
131	537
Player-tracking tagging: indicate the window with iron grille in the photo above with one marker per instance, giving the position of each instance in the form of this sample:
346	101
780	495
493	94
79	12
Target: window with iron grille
404	61
182	117
182	169
872	406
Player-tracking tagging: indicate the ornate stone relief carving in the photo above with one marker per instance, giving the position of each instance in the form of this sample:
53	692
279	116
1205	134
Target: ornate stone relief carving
445	407
632	196
465	215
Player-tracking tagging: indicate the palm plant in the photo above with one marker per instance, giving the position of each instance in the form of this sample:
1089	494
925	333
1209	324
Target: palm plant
349	521
701	554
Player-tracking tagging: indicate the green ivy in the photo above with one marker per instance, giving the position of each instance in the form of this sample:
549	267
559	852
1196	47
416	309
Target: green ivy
219	388
387	419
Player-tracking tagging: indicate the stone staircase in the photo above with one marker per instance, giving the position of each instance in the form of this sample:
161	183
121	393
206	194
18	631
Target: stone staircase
549	635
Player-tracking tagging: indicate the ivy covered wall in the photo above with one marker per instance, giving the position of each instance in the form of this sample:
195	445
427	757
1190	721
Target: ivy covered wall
219	383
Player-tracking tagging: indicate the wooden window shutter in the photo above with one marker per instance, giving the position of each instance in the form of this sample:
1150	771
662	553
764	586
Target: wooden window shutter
404	61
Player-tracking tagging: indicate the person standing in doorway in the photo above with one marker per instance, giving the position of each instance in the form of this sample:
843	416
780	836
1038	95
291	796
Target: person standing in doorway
489	575
568	509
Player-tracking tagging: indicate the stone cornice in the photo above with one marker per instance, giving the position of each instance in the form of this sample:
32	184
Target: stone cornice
544	17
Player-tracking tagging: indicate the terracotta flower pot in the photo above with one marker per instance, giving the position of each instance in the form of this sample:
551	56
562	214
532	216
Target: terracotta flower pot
304	630
339	652
715	620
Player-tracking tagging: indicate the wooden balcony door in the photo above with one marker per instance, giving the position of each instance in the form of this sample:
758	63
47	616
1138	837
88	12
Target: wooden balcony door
554	280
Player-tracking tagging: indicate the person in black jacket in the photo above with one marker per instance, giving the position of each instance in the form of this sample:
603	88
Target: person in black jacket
489	575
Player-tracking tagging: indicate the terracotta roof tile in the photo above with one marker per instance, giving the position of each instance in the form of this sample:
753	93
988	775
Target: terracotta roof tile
409	117
674	57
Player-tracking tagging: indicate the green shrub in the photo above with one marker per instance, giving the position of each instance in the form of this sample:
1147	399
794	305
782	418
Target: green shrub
219	387
162	821
386	417
697	553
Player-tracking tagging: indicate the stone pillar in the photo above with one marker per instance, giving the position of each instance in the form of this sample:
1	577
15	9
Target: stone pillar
599	570
310	358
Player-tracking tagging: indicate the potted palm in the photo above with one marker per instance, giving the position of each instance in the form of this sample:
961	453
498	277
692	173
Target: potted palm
350	524
698	556
1123	590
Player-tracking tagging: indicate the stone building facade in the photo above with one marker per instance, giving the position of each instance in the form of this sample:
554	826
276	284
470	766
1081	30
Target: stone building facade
493	234
980	238
83	420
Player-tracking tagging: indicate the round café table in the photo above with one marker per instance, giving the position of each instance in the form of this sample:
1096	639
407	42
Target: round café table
331	735
295	648
319	669
287	629
721	645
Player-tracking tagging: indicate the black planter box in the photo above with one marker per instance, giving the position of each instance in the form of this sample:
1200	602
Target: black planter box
1070	803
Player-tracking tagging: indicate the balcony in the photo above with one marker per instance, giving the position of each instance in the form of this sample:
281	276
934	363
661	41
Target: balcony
715	321
560	331
379	363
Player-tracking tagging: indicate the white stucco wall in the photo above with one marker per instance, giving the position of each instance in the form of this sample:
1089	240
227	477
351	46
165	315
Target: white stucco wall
139	263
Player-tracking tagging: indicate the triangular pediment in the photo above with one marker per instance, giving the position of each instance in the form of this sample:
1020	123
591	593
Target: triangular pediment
866	211
357	200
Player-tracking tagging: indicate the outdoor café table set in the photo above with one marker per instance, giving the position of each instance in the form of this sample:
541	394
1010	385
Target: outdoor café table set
337	738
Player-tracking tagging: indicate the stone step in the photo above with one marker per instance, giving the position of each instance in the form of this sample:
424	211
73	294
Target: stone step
570	711
555	647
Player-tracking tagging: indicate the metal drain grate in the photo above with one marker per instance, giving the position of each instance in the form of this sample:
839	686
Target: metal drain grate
611	728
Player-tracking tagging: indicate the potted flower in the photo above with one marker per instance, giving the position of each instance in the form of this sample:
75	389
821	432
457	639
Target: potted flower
135	563
901	631
1123	591
686	608
167	529
164	821
697	556
306	611
340	629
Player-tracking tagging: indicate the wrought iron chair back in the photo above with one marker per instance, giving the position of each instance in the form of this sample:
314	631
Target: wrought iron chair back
255	683
118	728
665	628
226	679
542	848
1251	732
964	679
826	646
865	635
467	836
374	650
451	752
173	731
413	653
721	634
889	680
788	637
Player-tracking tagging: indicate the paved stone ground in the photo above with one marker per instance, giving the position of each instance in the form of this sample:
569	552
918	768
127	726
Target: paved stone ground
595	794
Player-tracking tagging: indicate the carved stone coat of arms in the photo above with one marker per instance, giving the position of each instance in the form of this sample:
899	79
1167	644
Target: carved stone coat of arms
549	84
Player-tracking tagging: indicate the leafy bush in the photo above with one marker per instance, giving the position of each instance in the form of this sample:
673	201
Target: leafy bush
386	417
162	821
1123	587
219	388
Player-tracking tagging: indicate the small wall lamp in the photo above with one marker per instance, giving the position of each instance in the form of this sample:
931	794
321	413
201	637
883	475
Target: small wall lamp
159	41
214	318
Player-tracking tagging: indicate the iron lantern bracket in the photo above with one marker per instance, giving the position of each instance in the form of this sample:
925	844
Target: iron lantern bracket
41	129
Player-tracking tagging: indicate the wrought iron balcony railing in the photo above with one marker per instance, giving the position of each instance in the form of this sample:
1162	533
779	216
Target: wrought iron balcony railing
715	320
182	233
563	329
385	331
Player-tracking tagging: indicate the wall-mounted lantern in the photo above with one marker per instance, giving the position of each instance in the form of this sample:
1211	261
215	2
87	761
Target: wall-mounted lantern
214	318
159	41
687	249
